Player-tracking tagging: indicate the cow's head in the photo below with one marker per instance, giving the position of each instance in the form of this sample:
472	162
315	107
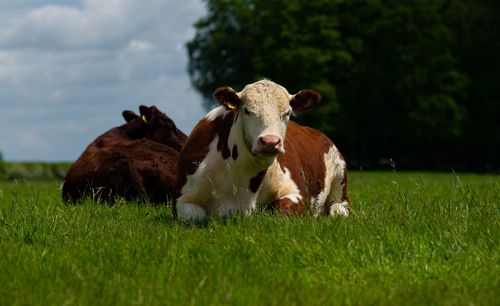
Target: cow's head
264	109
151	123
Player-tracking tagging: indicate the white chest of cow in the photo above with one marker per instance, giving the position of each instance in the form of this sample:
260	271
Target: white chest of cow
219	185
238	159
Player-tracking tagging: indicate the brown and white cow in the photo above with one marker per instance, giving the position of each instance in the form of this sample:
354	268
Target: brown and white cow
137	160
237	159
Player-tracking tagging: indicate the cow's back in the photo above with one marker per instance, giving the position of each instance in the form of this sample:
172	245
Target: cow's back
113	165
141	169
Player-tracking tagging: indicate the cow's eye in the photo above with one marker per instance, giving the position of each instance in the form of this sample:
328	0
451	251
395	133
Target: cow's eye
286	115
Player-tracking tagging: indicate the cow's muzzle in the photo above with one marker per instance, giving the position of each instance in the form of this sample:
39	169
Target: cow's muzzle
269	144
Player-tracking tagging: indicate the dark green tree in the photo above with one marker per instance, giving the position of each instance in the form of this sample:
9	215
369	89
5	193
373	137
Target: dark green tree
389	71
240	42
476	28
401	97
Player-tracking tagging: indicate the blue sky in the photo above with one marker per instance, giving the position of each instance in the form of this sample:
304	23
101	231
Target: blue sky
69	68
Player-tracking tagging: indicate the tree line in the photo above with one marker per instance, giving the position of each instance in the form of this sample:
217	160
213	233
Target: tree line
409	84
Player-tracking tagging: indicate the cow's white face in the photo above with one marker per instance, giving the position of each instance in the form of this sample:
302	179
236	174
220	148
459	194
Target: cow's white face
264	109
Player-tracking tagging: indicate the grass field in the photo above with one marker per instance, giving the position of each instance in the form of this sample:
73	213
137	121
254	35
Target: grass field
414	239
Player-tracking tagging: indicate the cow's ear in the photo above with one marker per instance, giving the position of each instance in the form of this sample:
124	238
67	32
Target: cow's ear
146	113
129	115
227	97
304	100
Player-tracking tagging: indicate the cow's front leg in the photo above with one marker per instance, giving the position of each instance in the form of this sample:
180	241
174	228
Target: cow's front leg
290	207
189	211
339	199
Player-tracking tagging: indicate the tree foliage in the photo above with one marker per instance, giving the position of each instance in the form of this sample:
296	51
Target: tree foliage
400	80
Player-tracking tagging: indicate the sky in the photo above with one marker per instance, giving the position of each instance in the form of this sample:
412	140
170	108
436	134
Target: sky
68	68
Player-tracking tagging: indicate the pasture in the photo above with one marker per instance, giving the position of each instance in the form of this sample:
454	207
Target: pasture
413	239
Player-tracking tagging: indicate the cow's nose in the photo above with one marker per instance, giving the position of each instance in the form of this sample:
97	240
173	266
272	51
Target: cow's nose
270	144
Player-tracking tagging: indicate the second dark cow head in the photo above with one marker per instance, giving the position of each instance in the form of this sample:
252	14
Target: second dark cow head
153	124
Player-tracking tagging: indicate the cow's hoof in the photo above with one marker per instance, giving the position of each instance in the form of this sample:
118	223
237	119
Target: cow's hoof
188	211
339	209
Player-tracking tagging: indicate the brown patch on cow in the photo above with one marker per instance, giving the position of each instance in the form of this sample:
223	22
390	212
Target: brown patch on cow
197	145
223	126
289	207
256	181
234	153
194	151
304	158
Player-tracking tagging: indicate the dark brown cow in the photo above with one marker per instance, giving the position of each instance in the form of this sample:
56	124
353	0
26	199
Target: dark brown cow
137	160
237	159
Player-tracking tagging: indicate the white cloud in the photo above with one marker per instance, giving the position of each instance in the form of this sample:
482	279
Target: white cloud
138	45
67	71
102	24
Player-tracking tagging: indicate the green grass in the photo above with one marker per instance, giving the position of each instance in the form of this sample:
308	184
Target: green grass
414	239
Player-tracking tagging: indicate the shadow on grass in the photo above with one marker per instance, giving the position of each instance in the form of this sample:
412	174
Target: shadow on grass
169	219
166	216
